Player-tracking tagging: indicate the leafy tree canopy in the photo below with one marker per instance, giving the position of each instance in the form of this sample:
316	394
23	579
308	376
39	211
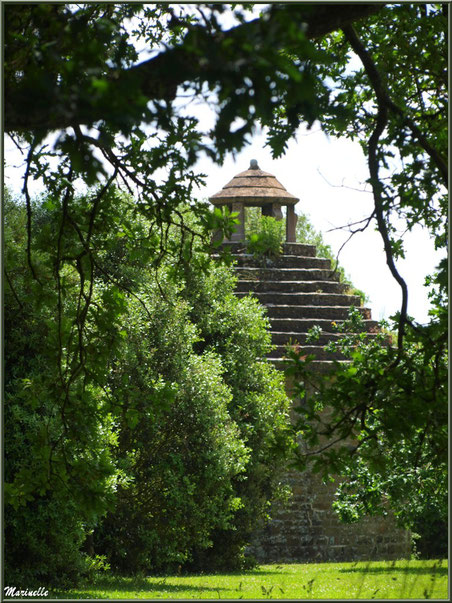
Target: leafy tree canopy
74	70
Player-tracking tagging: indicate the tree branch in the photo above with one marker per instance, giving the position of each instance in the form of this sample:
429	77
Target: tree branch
372	149
28	205
13	291
422	139
385	100
158	78
352	234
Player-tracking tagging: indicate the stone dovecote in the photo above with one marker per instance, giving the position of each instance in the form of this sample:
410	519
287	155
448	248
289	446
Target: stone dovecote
255	188
300	290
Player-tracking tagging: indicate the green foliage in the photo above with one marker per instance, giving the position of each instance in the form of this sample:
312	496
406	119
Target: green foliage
236	331
43	540
209	465
100	83
266	238
392	455
178	445
141	418
181	464
59	475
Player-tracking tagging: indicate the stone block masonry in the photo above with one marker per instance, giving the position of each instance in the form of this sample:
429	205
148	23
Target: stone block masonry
308	530
300	291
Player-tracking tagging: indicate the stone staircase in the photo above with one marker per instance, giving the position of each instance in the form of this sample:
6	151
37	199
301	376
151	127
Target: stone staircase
299	291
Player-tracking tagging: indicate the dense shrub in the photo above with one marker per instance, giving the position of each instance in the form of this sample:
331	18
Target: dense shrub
206	465
59	473
142	422
178	443
235	330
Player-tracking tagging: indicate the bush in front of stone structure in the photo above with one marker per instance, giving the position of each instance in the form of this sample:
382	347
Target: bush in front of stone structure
177	443
204	430
181	461
235	329
266	237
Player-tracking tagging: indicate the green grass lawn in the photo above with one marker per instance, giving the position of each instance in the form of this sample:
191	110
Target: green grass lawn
364	580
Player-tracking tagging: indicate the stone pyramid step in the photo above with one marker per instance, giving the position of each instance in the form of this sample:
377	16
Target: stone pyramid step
283	338
302	325
317	350
319	366
300	291
285	274
288	248
246	286
283	261
334	313
305	299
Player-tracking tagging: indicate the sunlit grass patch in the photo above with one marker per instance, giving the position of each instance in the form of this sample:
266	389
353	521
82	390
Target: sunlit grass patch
363	580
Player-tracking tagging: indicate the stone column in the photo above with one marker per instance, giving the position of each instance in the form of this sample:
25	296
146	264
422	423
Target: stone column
276	211
273	210
239	232
291	223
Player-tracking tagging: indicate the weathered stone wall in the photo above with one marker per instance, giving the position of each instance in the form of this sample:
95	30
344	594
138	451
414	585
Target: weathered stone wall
308	529
301	290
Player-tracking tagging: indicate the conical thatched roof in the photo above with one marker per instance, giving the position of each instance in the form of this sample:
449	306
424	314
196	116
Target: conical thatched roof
253	187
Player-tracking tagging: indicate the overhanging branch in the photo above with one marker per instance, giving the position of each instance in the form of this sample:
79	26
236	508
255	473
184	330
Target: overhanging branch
384	100
373	162
194	60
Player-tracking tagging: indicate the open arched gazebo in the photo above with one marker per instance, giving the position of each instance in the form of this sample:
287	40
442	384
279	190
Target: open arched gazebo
255	188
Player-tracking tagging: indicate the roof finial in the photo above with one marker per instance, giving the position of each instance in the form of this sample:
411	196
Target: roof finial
253	165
